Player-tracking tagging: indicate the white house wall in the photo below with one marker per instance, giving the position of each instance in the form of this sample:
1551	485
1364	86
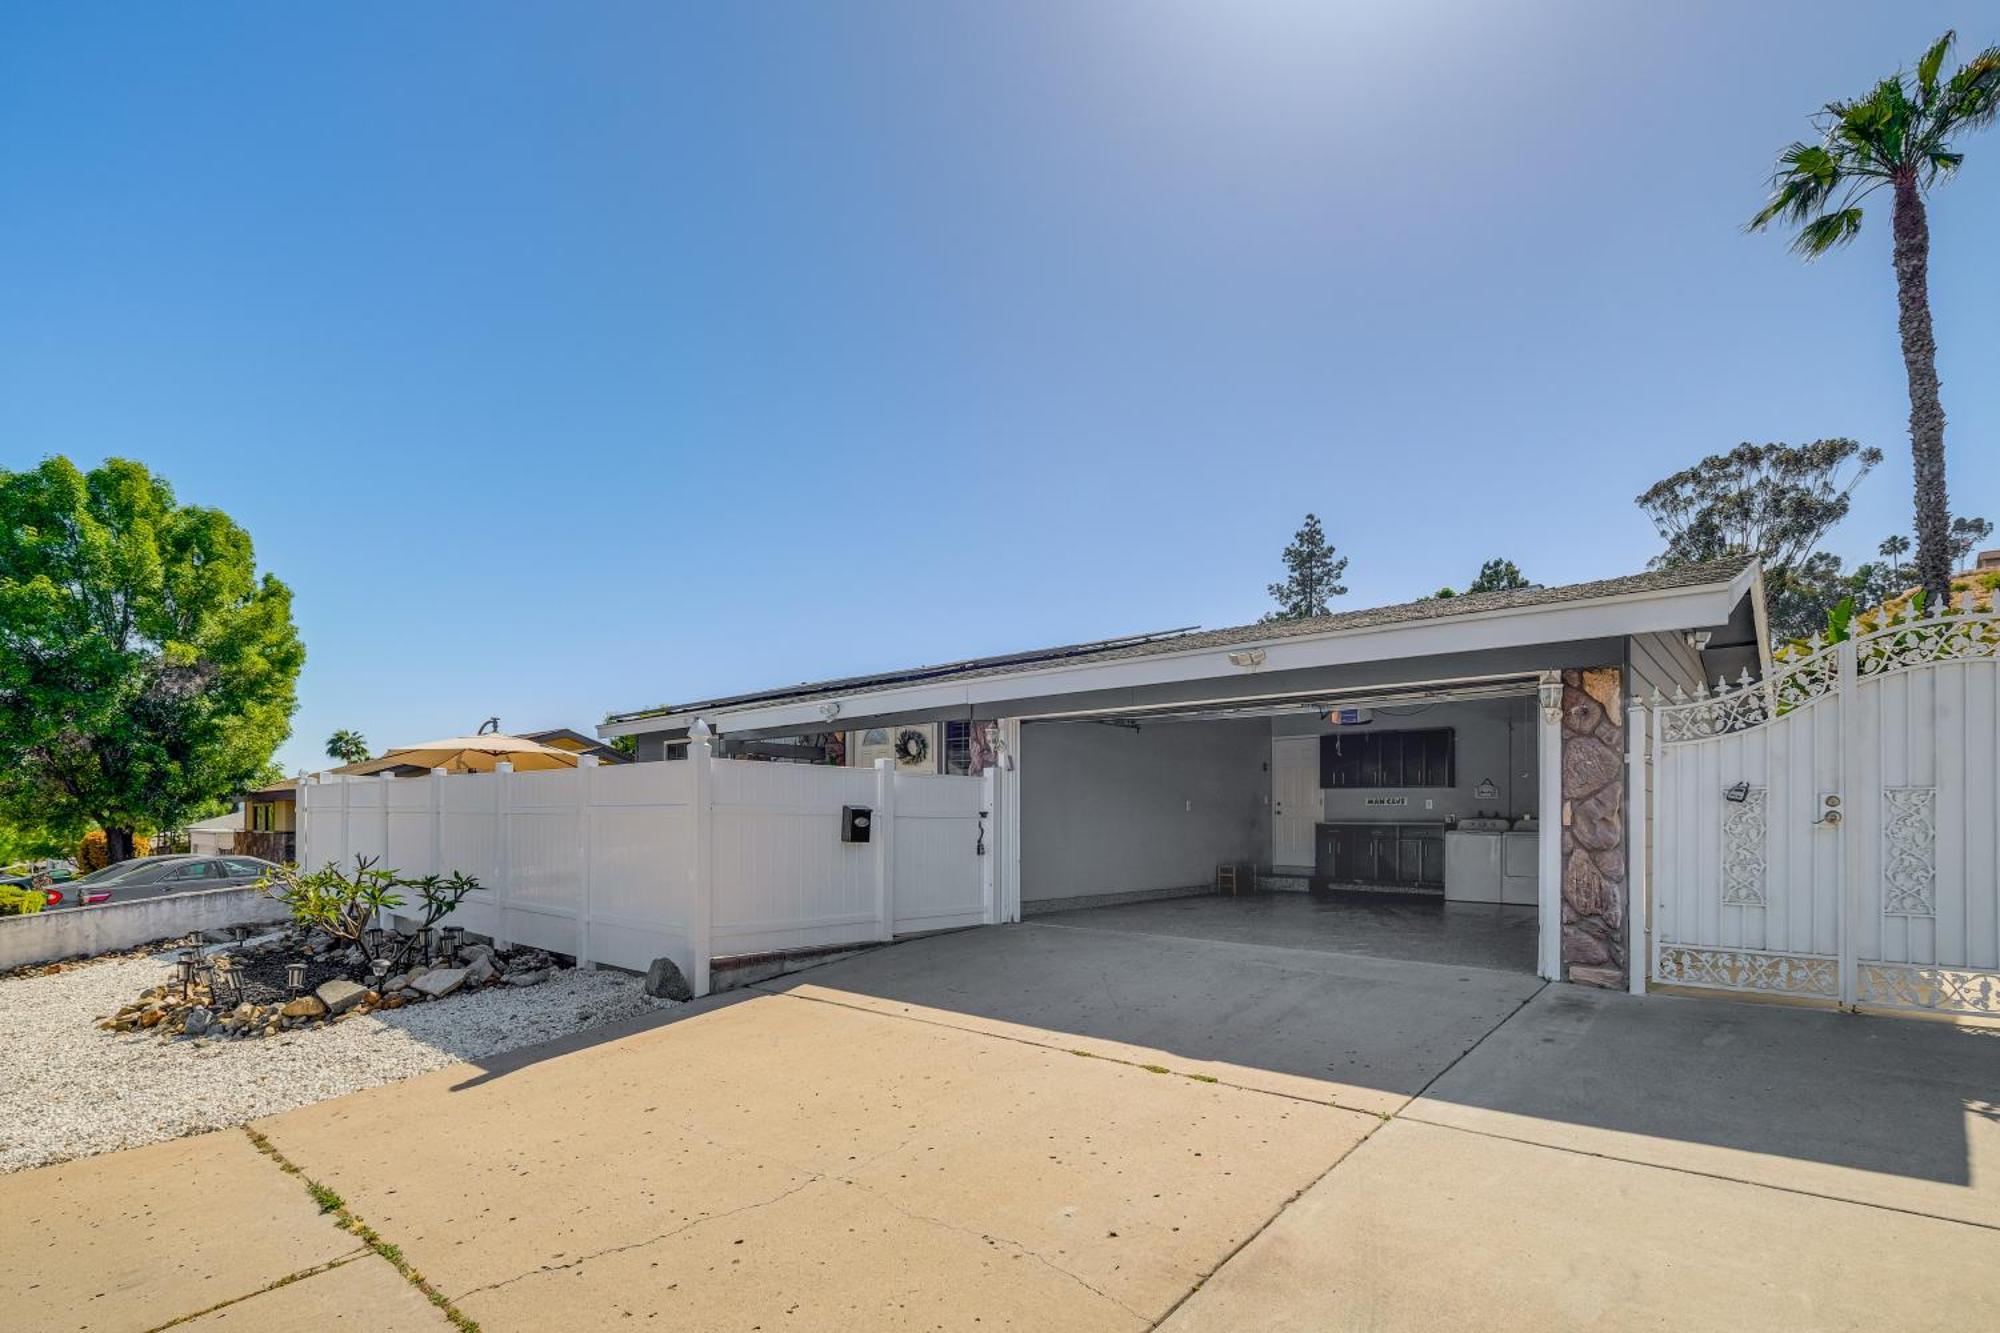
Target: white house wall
1109	809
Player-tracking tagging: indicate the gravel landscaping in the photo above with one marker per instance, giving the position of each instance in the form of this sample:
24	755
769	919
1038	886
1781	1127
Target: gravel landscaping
69	1090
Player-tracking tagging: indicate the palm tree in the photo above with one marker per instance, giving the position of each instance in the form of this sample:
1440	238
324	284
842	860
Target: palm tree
347	746
1897	136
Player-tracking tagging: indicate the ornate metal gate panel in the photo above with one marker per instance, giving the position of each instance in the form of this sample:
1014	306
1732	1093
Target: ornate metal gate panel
1834	831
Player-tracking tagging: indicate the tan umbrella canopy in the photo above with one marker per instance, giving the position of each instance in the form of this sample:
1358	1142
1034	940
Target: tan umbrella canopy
470	754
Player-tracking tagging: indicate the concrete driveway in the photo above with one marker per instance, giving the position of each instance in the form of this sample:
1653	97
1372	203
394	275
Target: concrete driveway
1057	1128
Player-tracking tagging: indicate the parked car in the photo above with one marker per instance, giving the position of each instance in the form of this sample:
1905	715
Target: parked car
151	876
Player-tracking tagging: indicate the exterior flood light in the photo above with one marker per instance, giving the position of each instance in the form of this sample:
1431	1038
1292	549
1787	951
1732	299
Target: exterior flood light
1737	793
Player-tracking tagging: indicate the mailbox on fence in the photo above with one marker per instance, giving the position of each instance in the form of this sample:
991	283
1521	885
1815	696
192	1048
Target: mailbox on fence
855	822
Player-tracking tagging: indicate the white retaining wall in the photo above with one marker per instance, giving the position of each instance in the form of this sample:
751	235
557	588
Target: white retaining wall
688	860
42	937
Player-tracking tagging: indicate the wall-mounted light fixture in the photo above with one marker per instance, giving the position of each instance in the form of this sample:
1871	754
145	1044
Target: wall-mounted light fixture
1550	691
830	710
1697	639
1736	793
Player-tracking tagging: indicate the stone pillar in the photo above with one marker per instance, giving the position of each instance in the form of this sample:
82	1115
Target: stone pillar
1593	827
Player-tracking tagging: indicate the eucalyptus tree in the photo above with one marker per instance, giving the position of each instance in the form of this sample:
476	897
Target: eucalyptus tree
1898	137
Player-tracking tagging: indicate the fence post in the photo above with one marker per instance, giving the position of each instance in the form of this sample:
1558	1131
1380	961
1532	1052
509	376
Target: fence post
989	841
585	772
883	835
437	821
1638	956
701	855
503	823
346	790
383	823
1847	829
300	844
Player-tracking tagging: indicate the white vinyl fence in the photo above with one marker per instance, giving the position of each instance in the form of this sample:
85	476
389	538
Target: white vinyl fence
1835	831
689	860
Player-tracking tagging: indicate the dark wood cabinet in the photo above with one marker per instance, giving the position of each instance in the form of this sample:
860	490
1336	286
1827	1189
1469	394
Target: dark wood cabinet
1402	856
1387	759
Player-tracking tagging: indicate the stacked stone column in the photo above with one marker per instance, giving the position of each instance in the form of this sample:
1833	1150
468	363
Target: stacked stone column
1593	827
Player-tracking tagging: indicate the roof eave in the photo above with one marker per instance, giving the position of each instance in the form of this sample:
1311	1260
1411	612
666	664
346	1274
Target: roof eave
1645	611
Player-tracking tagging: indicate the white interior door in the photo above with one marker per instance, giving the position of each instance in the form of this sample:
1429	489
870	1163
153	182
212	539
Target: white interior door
1294	799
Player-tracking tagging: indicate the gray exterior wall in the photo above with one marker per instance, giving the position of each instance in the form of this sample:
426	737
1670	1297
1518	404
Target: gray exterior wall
1661	662
1107	809
41	937
1494	739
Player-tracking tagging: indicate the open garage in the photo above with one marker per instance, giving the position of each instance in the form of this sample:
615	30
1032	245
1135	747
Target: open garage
1445	782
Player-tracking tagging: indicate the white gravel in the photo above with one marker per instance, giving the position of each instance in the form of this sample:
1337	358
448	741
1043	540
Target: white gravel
69	1090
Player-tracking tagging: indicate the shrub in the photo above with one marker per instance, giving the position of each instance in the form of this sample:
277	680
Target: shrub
93	853
344	905
20	901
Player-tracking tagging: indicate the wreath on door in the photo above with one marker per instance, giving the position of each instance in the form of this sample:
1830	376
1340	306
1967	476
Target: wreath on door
912	746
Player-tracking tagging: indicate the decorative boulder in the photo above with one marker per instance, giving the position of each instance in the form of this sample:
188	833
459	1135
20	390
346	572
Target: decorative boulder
440	982
534	978
198	1019
480	970
306	1006
665	982
340	995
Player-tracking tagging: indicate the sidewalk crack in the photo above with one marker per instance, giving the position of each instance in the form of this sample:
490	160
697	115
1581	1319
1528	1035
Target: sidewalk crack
812	1178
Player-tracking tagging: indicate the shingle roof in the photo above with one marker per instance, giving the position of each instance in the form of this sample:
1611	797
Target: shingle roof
1177	641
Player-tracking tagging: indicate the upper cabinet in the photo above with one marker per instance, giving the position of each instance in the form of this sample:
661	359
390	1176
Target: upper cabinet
1420	758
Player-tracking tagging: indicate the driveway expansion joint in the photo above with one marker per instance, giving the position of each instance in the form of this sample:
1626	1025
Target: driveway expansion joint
1724	1177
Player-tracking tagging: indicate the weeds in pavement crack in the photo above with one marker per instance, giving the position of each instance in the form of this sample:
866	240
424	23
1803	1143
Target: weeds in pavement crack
330	1202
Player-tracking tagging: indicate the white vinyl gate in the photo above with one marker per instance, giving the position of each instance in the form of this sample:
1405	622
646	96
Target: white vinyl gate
1834	831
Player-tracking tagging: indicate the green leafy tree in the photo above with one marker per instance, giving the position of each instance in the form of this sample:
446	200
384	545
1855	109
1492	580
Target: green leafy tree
1498	576
1899	137
1312	575
146	670
347	745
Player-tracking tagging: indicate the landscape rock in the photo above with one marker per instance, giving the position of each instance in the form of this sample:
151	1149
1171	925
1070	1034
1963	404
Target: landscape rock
440	982
306	1006
665	982
198	1019
480	970
535	978
339	995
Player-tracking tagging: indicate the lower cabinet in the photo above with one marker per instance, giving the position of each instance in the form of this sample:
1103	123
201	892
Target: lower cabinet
1402	856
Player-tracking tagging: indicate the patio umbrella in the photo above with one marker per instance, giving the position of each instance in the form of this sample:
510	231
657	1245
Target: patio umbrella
470	754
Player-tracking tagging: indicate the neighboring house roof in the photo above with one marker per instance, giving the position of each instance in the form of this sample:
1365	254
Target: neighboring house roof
229	823
563	738
1710	574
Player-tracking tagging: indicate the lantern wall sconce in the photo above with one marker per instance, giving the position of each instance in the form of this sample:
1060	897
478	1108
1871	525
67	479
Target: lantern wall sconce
1550	692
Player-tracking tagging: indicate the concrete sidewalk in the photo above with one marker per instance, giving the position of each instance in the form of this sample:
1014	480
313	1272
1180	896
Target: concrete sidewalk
1051	1128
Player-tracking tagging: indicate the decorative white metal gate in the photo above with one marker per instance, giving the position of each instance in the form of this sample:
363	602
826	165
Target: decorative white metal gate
1834	831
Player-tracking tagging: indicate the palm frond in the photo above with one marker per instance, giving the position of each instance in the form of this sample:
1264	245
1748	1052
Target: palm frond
1826	232
1933	60
1806	178
1972	95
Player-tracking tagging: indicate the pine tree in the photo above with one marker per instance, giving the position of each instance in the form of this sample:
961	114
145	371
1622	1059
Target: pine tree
1312	575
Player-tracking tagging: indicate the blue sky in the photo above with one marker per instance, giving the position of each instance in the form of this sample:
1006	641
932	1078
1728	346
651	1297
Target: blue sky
571	358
